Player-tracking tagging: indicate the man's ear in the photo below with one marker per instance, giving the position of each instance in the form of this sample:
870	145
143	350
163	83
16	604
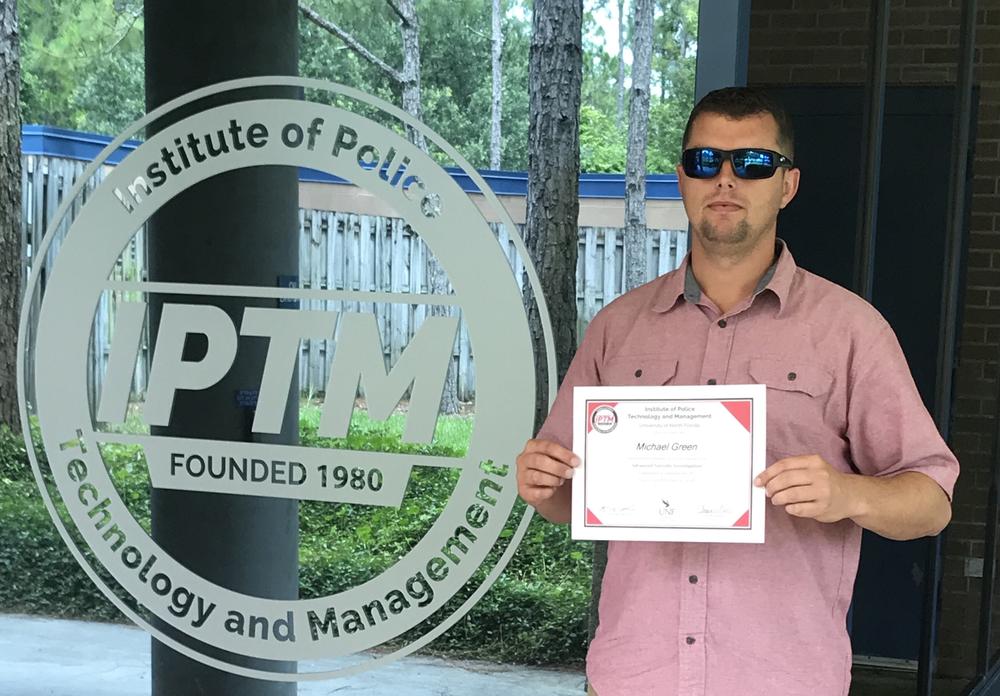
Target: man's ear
790	186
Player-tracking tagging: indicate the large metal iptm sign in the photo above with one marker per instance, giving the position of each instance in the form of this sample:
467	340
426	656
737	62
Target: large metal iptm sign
121	557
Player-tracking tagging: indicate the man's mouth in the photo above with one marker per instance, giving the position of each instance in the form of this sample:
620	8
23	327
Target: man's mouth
724	207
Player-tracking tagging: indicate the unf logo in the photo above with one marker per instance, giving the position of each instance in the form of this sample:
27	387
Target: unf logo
117	553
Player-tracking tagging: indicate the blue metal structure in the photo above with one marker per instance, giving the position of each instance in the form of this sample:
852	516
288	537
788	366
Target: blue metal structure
70	144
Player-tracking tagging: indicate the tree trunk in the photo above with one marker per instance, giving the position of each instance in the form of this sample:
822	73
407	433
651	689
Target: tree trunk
664	67
495	111
635	163
409	79
620	85
409	25
635	209
11	251
596	580
554	80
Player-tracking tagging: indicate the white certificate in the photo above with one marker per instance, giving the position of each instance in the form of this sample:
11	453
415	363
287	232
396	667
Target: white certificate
669	463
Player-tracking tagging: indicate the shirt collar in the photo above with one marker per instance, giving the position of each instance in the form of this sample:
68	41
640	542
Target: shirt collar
682	283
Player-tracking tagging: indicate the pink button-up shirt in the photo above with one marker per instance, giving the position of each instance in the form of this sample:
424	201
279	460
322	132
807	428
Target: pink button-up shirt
752	619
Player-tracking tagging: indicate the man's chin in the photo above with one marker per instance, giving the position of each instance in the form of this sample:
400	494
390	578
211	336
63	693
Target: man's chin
737	234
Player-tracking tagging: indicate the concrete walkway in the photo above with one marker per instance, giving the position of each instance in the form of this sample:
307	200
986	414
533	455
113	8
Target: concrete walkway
53	657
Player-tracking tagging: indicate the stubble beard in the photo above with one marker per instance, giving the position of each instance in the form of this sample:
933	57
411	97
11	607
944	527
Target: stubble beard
710	233
736	243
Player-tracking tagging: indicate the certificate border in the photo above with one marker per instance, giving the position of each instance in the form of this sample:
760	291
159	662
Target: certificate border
754	533
741	530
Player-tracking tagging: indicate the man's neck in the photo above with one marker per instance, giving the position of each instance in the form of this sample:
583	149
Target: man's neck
729	280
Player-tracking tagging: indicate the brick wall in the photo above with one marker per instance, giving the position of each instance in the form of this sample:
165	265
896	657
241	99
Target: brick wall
825	42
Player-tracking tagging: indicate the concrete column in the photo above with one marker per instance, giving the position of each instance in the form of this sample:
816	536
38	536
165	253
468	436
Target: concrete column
240	228
723	45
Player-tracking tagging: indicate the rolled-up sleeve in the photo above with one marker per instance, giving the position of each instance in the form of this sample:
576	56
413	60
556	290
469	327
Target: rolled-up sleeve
584	370
889	428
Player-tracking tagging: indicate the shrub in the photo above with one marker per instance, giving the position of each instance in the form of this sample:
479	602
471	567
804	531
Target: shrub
14	464
40	575
535	613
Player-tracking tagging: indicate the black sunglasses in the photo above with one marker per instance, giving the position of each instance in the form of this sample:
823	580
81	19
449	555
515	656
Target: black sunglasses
748	162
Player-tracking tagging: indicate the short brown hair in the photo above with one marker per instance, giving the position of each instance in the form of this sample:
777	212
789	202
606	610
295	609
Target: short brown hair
740	102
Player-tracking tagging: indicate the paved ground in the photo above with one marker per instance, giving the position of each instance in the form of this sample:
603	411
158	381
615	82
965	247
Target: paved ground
51	657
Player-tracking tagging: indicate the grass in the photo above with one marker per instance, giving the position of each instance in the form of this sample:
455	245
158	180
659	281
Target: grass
451	434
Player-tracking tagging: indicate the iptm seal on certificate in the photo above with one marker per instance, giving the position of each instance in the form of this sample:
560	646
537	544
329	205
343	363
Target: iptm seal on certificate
603	417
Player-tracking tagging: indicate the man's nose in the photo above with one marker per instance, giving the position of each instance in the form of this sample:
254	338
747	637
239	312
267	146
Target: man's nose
726	177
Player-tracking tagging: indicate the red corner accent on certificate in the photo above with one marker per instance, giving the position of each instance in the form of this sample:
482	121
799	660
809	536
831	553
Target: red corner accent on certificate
592	518
743	521
740	411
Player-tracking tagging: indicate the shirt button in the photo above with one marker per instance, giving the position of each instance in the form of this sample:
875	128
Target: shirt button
722	323
711	381
638	373
690	640
792	376
693	579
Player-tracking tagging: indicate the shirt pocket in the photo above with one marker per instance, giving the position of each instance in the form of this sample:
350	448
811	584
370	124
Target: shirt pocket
638	370
797	394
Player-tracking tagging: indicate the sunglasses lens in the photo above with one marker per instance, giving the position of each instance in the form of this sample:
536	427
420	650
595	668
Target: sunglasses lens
701	163
753	164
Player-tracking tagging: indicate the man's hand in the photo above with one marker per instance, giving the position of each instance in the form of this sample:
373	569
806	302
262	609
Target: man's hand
809	487
542	469
908	505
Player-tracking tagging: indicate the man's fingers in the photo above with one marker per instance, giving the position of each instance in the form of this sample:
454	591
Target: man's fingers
541	479
534	496
546	465
798	494
788	479
811	510
542	468
783	465
548	458
553	450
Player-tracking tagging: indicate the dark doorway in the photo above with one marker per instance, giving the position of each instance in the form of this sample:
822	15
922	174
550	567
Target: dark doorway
820	227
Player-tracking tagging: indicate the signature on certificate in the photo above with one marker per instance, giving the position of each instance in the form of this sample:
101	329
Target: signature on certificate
618	508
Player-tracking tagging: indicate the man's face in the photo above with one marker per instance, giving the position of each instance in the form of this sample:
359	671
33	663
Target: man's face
730	215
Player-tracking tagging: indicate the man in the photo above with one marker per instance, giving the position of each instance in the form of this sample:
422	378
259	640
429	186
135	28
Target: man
849	442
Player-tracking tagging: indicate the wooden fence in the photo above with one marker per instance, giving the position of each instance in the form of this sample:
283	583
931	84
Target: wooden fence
348	251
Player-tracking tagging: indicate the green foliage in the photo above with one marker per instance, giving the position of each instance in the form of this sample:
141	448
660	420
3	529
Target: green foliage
82	67
14	465
603	142
666	128
455	79
332	535
127	467
81	63
14	462
40	575
531	622
602	145
674	60
535	613
600	69
112	95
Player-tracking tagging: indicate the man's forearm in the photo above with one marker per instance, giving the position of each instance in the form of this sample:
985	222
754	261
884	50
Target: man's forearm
907	506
